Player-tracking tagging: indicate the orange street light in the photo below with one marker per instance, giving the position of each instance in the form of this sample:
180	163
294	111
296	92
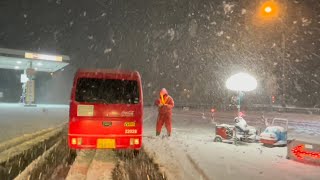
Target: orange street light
269	10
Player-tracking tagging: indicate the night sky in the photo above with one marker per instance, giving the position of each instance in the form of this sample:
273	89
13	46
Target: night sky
189	47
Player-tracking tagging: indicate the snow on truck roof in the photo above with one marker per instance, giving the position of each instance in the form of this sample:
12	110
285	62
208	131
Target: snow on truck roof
21	60
110	73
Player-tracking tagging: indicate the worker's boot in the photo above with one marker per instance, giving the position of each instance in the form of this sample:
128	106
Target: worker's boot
157	133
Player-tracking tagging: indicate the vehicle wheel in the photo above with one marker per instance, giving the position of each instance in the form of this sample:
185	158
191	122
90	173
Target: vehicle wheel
217	139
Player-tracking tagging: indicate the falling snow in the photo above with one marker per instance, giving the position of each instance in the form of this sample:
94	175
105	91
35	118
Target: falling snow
243	11
305	21
220	33
171	34
228	8
193	28
189	41
107	50
213	23
190	48
297	86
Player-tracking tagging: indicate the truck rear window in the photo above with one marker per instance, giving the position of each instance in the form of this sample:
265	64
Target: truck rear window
107	91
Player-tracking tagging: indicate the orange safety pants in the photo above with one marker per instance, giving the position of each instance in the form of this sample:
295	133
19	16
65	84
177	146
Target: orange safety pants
164	118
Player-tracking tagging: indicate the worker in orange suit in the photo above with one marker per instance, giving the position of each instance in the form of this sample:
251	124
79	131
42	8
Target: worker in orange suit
165	104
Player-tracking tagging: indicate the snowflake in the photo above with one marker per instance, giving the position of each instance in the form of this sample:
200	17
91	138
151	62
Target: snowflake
171	34
220	33
175	54
227	8
107	50
213	23
305	21
243	11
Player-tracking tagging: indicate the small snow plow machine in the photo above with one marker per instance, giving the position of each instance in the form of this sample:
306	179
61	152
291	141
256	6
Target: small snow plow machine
275	135
240	131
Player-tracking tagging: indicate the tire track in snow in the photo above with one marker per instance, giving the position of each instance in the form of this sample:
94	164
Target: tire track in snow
92	164
203	176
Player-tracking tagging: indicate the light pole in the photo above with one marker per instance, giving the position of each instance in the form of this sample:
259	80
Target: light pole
241	82
270	11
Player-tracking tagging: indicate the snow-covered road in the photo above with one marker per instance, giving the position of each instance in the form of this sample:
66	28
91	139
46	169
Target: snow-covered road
16	120
191	153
